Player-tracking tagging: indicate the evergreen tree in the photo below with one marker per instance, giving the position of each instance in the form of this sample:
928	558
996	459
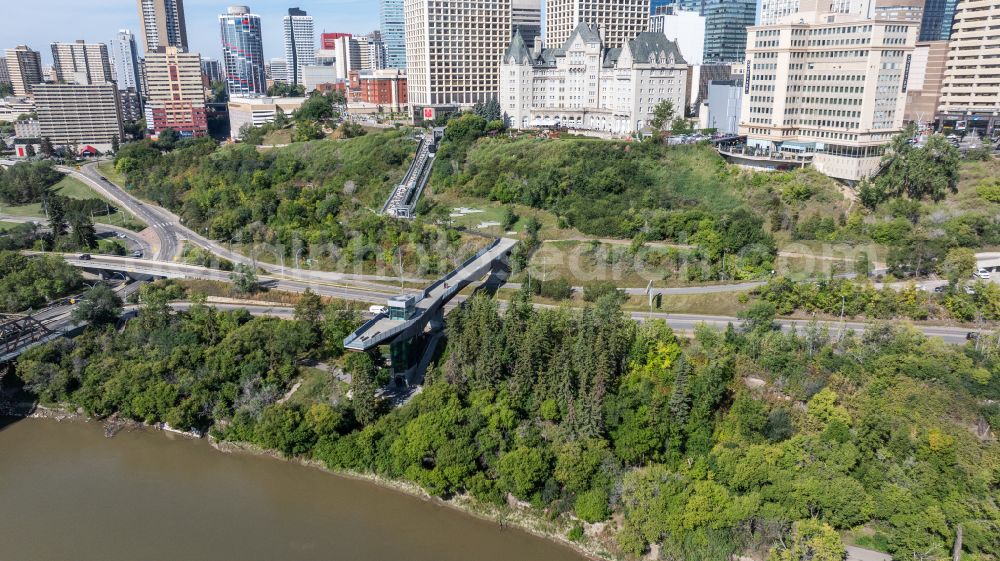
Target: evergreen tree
55	208
46	147
362	369
83	232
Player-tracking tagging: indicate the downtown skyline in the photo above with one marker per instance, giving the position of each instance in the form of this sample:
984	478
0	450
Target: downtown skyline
66	23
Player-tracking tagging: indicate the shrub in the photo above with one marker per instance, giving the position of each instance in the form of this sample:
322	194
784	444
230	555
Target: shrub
592	505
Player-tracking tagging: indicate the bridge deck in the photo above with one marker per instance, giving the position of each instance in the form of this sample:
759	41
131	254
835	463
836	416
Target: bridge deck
381	329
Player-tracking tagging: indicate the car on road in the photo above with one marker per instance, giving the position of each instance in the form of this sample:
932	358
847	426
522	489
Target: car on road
85	257
137	254
970	290
972	336
378	310
940	288
983	273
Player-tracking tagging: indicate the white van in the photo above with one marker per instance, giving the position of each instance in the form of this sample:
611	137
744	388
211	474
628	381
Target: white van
378	310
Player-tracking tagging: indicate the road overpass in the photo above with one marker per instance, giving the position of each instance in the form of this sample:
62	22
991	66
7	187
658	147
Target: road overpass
20	332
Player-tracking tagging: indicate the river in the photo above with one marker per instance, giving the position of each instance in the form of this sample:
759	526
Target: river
67	492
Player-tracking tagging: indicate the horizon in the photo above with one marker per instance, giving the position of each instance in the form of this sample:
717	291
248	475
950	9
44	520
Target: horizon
64	21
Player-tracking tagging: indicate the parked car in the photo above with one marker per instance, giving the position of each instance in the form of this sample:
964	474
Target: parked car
970	290
983	273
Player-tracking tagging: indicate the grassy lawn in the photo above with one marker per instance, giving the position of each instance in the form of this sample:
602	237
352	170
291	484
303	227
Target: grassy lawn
283	136
8	225
721	304
492	212
317	386
73	188
109	171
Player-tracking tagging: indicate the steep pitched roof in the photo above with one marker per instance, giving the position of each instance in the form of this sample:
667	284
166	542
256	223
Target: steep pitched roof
649	43
586	32
517	49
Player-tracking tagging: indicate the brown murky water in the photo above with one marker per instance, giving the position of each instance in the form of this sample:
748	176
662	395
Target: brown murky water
67	492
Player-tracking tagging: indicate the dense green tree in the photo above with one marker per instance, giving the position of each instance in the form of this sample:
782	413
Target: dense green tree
245	279
98	306
811	540
82	229
663	114
27	182
363	371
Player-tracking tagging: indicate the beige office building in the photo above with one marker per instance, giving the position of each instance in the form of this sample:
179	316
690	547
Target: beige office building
618	21
79	114
24	68
453	51
926	77
899	10
175	93
970	94
258	111
81	62
163	24
822	88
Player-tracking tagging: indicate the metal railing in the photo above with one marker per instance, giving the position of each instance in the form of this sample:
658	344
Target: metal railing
351	340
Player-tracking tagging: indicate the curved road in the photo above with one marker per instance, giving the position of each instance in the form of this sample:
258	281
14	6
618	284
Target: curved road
132	239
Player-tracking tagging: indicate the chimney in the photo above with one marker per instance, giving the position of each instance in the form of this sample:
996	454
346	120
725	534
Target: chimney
536	50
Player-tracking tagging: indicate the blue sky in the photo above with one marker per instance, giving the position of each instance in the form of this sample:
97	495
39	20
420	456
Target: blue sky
40	22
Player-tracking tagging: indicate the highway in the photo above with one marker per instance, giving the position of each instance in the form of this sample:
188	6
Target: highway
681	323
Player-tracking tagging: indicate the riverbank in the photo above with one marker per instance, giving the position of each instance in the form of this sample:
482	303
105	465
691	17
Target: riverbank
517	517
78	489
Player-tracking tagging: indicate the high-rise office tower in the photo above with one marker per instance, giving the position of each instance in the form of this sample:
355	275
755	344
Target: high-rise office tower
526	17
300	44
4	74
376	51
970	93
666	6
617	21
242	52
939	15
127	74
211	69
125	61
801	105
24	67
466	72
175	92
393	28
685	27
163	24
899	10
726	23
81	63
771	11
